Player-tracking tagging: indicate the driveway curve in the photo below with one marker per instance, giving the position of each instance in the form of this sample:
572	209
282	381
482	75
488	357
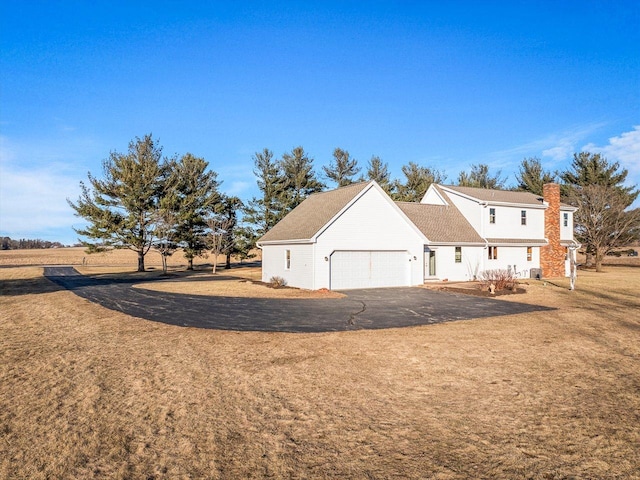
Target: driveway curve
360	309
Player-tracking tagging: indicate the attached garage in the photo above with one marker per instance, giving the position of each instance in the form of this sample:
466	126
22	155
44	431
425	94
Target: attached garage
369	269
351	237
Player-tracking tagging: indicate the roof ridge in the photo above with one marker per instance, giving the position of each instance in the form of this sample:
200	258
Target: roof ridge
355	184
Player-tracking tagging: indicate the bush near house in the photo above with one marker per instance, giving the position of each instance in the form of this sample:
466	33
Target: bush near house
500	278
277	282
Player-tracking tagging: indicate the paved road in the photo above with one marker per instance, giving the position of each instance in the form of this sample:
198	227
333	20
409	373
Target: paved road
361	309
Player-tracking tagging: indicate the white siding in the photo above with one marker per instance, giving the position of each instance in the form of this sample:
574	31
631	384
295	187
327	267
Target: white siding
513	257
300	273
476	260
448	269
432	198
566	233
508	219
508	223
471	210
371	223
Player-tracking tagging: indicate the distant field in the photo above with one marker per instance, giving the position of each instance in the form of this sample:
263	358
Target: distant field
78	256
87	392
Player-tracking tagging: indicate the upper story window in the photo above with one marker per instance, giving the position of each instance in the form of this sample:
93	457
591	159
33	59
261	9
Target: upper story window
492	215
458	254
287	259
493	253
523	217
565	219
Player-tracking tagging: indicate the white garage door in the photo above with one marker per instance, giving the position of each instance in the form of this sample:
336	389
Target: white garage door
369	269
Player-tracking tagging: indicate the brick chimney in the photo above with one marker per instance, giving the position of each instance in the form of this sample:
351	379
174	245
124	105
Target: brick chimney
552	255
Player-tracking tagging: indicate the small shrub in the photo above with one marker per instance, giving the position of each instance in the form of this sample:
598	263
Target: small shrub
277	282
501	278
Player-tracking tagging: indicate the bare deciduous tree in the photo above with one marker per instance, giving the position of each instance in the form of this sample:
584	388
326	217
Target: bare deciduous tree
165	235
602	223
218	227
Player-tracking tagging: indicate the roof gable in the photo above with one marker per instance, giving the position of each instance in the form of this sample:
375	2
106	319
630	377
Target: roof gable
318	211
434	196
308	218
441	223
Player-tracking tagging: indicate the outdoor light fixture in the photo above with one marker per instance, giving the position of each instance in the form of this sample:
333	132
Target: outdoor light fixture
326	259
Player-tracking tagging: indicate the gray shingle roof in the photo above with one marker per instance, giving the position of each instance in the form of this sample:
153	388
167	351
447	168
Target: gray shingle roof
502	196
518	241
440	223
304	221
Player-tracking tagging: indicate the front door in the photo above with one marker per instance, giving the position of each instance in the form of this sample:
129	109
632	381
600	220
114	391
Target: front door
430	263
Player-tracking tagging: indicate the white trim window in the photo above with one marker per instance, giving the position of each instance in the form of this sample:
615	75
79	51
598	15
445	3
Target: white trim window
458	254
529	254
287	259
565	219
523	217
492	215
493	253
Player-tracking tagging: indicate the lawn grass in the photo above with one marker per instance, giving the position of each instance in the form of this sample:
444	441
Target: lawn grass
86	392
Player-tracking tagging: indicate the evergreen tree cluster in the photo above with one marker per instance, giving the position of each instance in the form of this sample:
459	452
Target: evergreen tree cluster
145	200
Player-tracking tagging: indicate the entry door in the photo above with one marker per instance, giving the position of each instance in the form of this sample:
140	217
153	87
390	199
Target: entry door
430	267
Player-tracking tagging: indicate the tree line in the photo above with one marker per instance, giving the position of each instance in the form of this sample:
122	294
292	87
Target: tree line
8	243
145	200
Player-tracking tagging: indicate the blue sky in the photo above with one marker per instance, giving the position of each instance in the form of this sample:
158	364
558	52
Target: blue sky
443	84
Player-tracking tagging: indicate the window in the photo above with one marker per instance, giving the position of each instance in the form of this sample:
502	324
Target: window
565	219
523	217
458	254
492	215
529	254
287	259
493	253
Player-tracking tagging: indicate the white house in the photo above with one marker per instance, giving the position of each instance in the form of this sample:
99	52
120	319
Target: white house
358	237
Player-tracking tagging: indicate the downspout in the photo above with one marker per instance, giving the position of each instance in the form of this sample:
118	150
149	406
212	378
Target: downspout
261	258
486	242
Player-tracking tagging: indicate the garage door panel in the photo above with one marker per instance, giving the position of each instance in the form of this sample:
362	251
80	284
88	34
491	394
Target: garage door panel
369	269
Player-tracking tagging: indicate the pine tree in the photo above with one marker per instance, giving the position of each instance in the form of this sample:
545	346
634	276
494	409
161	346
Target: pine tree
229	207
194	194
594	169
120	208
264	212
379	171
300	180
417	181
532	176
342	169
479	177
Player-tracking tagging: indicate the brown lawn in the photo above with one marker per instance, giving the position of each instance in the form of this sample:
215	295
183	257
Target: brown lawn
86	392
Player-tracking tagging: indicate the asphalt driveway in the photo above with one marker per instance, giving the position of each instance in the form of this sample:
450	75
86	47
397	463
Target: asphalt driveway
361	309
